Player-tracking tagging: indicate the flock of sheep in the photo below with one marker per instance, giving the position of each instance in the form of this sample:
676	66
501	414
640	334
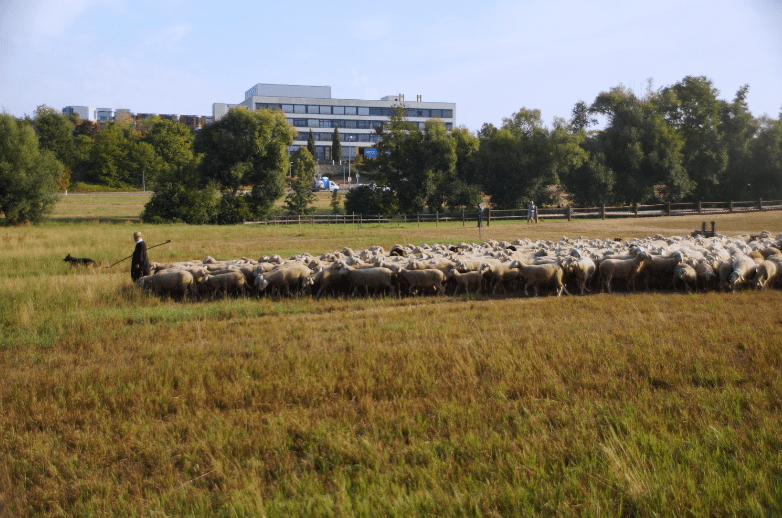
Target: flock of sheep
658	263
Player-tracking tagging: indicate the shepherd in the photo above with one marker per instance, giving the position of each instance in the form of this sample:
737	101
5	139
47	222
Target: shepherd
139	266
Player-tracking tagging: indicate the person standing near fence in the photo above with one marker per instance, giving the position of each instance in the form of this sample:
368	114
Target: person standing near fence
531	210
480	215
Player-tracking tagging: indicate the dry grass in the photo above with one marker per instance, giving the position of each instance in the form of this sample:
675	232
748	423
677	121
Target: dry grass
117	404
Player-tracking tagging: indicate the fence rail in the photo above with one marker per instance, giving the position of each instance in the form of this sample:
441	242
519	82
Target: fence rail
566	213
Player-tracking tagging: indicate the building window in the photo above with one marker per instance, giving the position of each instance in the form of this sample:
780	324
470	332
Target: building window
375	111
437	114
350	124
362	110
448	114
299	108
325	123
325	110
287	108
299	123
313	123
313	109
340	110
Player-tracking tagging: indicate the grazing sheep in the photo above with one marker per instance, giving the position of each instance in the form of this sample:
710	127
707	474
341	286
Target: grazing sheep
375	277
743	271
582	269
282	279
536	275
429	279
497	275
623	269
174	282
685	273
327	279
766	271
467	281
223	281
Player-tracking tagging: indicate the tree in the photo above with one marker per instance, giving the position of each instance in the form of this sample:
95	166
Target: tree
303	172
247	148
371	199
739	129
336	146
692	107
643	153
520	161
335	202
765	164
119	159
311	143
28	174
55	133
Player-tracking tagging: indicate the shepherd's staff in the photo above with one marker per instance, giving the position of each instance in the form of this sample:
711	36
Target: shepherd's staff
148	248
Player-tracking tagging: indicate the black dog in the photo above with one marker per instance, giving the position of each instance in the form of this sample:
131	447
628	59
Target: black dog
79	261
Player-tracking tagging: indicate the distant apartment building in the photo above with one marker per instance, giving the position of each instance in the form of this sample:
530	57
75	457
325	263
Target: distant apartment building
106	115
312	108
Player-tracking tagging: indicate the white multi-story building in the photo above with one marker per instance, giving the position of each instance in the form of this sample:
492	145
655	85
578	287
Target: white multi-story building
311	108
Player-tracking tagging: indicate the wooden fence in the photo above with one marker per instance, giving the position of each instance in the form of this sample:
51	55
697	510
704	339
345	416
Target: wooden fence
543	213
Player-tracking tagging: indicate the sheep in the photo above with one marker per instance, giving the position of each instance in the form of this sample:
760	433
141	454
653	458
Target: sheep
327	278
743	271
660	270
297	275
766	271
685	273
375	277
169	283
423	280
467	281
497	274
623	269
583	269
538	274
223	281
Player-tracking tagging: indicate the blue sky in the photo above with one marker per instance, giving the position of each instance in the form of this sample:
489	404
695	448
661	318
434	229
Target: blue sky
490	58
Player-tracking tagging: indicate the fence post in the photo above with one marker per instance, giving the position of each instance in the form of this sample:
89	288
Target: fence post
569	213
418	218
635	209
436	218
463	224
603	211
536	214
700	207
760	204
730	206
669	208
488	218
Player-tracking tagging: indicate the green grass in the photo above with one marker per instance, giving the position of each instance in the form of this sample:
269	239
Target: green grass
115	403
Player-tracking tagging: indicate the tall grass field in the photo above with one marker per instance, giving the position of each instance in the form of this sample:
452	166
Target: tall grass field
117	403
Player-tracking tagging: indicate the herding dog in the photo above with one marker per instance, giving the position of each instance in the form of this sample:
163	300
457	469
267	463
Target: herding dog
80	261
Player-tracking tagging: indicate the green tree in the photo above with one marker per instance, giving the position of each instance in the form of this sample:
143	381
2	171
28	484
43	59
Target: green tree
642	151
371	199
336	146
171	141
692	107
519	162
247	148
55	133
764	176
303	172
739	129
311	143
336	202
28	174
120	159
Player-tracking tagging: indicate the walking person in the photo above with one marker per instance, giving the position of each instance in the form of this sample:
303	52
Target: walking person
531	211
139	265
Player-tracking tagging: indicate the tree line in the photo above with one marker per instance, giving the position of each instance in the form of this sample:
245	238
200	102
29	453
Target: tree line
678	143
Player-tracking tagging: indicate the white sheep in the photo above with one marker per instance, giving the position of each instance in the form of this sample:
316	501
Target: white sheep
623	269
376	278
173	282
536	275
293	275
466	281
430	279
766	271
221	282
